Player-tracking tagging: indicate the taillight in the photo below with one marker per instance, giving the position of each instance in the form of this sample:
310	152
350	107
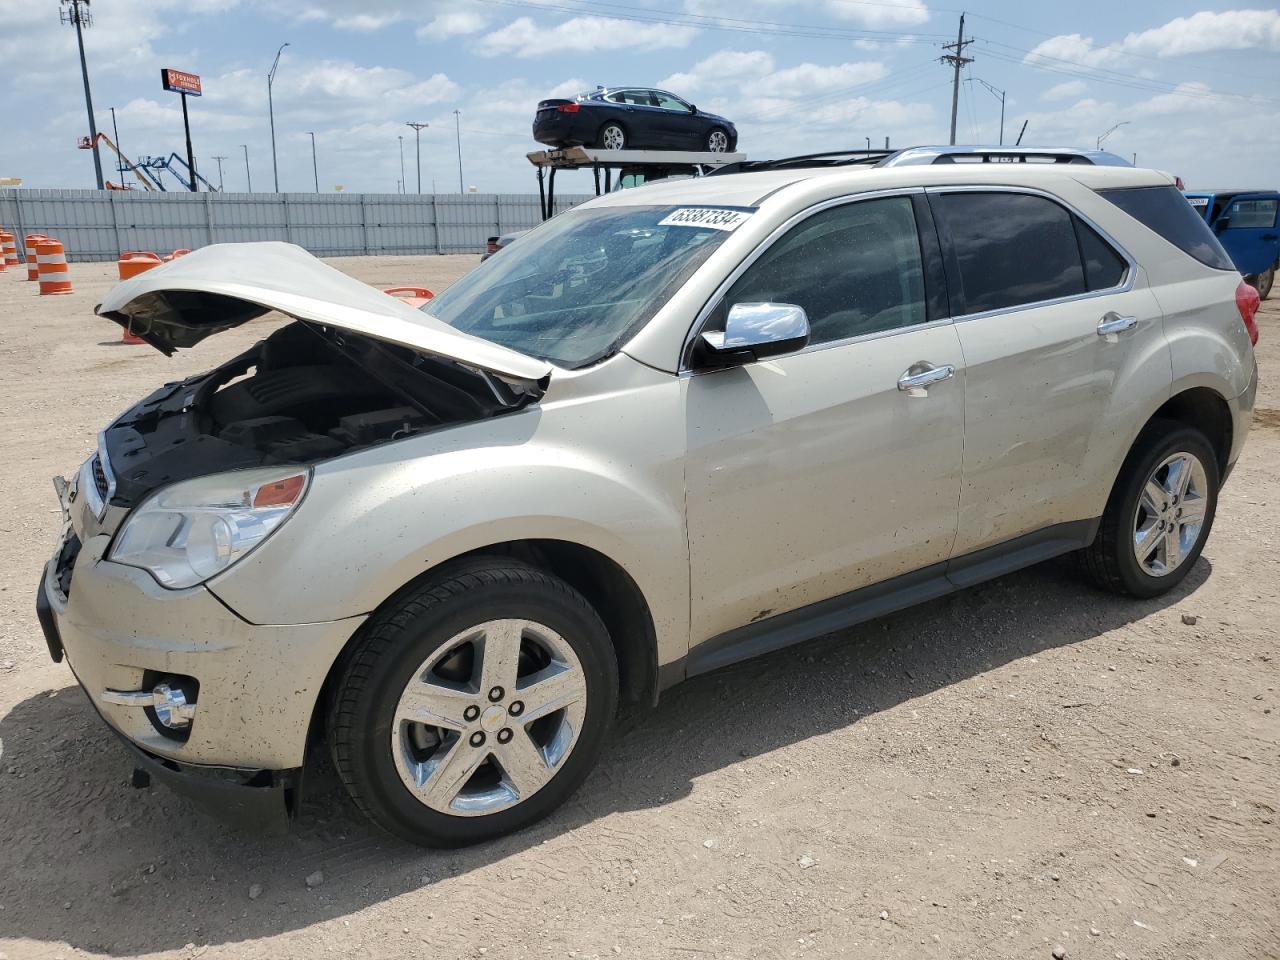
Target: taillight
1178	184
1247	302
567	108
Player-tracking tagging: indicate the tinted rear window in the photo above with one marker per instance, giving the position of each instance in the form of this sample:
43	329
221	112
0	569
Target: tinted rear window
1103	267
1166	211
1012	248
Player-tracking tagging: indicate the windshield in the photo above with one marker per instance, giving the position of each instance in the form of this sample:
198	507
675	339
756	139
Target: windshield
576	288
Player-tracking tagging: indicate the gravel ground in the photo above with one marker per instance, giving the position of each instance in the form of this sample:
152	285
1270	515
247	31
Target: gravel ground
1028	766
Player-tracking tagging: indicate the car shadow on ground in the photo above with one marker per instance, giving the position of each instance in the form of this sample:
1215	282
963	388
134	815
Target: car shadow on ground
88	861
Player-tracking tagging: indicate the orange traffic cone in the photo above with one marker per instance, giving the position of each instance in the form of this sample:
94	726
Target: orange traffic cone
52	264
8	249
33	265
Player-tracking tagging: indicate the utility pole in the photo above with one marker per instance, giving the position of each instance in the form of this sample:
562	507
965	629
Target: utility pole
271	113
221	188
457	124
76	13
115	135
957	60
417	139
315	170
400	182
248	178
999	95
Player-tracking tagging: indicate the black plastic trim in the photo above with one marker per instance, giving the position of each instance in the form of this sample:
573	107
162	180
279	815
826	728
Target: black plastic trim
889	596
48	622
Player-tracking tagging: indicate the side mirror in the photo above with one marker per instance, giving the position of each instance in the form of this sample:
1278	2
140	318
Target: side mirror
755	331
692	108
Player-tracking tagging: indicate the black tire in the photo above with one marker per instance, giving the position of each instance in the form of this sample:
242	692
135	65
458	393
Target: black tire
1263	282
712	136
400	637
609	130
1110	560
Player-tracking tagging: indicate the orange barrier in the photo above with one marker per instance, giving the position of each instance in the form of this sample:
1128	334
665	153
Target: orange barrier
51	260
134	262
9	249
414	296
33	265
176	254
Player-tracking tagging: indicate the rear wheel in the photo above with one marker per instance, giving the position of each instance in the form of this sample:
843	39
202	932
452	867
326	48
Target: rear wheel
1159	514
718	140
475	705
612	136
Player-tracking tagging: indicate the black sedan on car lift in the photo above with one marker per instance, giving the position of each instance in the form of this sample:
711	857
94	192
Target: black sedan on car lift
631	118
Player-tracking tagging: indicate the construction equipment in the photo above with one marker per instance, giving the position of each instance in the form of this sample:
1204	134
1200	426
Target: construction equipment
177	166
88	143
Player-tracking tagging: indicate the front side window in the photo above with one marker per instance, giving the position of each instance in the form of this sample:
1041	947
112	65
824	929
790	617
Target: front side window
1011	248
1252	215
581	284
855	269
668	102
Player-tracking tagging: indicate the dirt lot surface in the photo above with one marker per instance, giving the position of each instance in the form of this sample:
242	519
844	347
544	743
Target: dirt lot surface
1027	765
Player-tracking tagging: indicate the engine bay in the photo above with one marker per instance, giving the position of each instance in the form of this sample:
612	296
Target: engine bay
304	394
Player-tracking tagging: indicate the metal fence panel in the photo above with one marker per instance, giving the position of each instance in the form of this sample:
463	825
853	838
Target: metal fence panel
100	225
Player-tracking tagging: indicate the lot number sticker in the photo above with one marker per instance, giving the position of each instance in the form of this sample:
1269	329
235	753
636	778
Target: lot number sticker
705	217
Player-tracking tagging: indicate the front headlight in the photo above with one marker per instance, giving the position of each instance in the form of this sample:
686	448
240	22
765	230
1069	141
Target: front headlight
187	533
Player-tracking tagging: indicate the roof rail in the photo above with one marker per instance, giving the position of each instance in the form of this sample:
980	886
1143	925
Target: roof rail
911	156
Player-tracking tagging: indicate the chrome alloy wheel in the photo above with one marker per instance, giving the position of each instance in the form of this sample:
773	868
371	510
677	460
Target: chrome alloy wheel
718	141
1170	514
489	718
613	137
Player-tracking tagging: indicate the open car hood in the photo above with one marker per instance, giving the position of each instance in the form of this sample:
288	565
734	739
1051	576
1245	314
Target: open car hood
224	285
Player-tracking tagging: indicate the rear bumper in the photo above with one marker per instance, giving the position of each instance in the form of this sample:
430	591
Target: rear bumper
564	129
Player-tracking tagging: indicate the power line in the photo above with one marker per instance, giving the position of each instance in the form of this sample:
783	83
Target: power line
957	60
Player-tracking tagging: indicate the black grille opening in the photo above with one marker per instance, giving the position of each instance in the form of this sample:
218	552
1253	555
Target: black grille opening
99	476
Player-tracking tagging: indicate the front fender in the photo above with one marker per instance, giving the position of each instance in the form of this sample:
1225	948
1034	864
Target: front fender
605	475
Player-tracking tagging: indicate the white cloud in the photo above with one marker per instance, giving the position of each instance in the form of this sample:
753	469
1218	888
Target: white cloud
453	23
1201	32
719	69
1065	90
811	78
871	14
524	38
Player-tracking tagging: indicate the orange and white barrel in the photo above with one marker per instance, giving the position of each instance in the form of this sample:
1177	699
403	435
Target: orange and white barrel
33	265
134	262
52	262
9	249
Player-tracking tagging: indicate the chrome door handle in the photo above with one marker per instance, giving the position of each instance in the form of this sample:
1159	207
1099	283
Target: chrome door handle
921	376
1113	323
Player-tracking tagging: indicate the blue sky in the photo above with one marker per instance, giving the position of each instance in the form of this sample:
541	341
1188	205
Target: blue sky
1196	85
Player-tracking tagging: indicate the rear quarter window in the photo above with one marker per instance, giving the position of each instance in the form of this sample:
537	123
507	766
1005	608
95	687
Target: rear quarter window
1166	211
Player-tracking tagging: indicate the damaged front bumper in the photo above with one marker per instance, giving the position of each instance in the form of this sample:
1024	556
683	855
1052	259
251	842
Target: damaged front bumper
241	753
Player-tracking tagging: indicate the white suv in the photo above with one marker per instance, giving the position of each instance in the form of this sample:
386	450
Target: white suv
675	427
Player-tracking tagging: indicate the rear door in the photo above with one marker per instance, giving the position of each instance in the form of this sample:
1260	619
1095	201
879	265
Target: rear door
1062	342
1249	234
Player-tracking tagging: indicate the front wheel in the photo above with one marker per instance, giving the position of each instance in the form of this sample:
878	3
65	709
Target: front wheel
717	140
1159	514
474	705
612	137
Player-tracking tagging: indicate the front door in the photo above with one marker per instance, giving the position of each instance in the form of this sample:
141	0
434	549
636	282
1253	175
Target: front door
815	474
1250	234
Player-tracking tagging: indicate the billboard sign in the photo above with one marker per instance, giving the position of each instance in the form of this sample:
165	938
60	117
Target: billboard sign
179	81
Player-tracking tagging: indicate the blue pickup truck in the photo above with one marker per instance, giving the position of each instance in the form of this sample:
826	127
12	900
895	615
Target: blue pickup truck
1245	222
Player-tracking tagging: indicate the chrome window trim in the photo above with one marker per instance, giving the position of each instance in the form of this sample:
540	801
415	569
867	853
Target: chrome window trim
1125	285
704	312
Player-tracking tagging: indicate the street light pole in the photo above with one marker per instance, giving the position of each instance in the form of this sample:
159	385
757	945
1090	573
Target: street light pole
247	176
999	95
1104	136
271	113
221	188
417	140
400	182
77	14
315	170
457	125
